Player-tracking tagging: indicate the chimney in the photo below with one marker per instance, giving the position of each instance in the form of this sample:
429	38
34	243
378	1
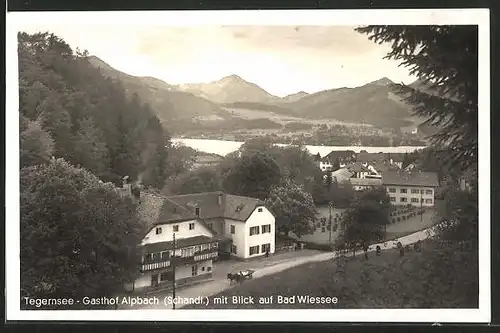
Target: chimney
126	185
219	199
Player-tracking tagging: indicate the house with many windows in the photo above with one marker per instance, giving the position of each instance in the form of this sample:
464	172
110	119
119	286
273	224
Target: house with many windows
415	188
193	229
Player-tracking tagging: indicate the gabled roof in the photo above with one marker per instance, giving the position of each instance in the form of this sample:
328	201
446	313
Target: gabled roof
342	174
357	167
156	209
338	154
418	178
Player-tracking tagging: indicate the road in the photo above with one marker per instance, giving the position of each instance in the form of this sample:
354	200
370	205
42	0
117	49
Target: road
270	266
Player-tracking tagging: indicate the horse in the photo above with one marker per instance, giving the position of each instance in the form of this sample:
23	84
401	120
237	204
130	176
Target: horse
234	278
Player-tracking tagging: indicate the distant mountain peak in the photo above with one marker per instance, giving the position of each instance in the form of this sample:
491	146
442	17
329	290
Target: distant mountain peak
382	82
296	96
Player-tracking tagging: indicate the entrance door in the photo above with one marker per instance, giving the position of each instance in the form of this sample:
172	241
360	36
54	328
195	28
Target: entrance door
154	280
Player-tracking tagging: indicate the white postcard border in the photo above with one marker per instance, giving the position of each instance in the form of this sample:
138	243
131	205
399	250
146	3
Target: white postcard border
15	22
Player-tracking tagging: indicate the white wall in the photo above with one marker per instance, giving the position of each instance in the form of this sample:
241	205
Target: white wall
408	195
184	232
258	219
238	237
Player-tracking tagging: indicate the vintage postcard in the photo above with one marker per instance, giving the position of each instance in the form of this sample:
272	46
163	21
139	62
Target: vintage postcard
172	166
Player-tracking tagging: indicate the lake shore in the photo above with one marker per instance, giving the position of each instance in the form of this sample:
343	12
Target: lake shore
224	147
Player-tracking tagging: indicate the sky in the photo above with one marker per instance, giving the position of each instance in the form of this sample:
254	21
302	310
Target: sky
281	59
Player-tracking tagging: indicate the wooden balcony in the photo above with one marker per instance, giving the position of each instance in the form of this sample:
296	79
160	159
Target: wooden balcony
160	264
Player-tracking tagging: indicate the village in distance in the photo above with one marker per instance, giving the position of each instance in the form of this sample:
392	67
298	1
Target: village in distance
140	194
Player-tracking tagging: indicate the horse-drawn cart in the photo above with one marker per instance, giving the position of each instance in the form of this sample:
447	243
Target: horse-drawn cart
240	276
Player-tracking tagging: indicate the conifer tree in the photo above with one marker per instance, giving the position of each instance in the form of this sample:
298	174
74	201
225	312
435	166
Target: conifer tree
445	61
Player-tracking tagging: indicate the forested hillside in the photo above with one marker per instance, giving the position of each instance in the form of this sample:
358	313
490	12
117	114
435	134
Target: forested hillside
69	109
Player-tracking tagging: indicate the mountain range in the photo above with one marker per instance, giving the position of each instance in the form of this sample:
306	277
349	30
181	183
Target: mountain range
373	103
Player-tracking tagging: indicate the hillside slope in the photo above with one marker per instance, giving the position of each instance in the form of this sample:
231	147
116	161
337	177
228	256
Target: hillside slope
169	103
230	89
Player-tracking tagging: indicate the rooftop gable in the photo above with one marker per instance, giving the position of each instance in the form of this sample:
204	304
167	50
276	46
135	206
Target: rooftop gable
429	179
156	209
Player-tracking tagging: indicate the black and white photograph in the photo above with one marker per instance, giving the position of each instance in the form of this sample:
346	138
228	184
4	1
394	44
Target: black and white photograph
171	166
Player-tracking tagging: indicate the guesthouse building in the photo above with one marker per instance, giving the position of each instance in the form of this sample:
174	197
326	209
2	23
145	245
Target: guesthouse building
415	188
194	229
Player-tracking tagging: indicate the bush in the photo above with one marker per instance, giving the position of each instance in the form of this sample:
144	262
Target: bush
319	247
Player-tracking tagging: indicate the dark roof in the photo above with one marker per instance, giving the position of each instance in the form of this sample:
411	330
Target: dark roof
371	157
410	178
338	154
155	209
357	167
179	243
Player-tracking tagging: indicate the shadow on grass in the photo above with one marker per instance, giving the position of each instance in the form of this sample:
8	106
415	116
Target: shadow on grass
436	277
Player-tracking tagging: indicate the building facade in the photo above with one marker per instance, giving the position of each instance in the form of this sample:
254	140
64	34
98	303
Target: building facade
189	232
414	188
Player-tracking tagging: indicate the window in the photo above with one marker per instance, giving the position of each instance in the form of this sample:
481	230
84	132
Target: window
209	269
259	210
422	191
191	226
428	192
166	276
415	200
158	230
232	229
165	255
254	250
156	256
210	225
414	191
176	228
403	190
254	231
403	199
429	201
203	269
197	211
266	229
265	247
149	258
233	249
393	199
323	229
194	270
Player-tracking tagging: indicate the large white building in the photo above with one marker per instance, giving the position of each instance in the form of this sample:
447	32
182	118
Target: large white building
415	188
204	224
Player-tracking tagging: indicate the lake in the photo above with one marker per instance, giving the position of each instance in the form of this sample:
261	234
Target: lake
222	147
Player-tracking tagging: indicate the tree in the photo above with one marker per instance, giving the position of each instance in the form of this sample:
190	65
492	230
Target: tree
253	175
196	181
180	160
445	60
293	208
459	216
36	145
91	119
341	194
365	219
79	236
90	149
